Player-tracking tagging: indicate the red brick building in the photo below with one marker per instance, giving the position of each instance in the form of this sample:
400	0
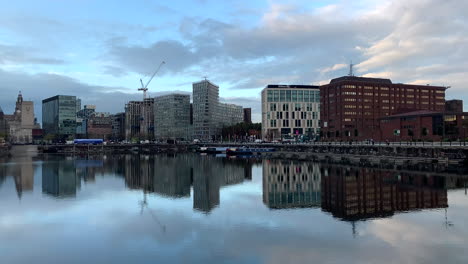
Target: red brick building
424	125
99	125
351	107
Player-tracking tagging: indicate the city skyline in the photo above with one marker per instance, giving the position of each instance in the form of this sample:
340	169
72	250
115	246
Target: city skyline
82	49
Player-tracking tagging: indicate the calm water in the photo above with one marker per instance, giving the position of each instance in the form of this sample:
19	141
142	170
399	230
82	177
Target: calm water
204	209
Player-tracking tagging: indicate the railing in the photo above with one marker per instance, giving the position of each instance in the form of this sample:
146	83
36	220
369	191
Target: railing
358	143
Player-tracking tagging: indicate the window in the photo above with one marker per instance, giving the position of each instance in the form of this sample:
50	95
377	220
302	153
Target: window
288	96
294	96
297	107
285	107
272	123
272	107
282	95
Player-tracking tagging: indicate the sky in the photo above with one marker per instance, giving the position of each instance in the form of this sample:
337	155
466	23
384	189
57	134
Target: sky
99	49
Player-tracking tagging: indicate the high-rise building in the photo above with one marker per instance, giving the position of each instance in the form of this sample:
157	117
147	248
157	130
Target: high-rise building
59	116
205	110
21	123
172	117
209	115
290	110
352	106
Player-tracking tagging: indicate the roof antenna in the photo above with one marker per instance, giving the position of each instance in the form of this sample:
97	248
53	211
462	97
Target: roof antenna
351	65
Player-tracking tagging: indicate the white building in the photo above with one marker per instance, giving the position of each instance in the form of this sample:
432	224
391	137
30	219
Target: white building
290	111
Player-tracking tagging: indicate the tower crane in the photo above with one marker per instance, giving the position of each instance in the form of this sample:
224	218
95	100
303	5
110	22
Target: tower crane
144	88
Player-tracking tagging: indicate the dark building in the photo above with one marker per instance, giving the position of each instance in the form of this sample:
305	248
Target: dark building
351	107
3	125
248	115
118	126
454	106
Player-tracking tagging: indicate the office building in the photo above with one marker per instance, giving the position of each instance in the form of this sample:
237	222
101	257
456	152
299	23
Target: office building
172	117
59	116
352	106
290	110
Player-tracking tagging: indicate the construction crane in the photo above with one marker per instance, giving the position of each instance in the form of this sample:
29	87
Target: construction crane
144	88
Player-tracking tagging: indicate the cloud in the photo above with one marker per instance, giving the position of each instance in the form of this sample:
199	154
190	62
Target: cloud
13	55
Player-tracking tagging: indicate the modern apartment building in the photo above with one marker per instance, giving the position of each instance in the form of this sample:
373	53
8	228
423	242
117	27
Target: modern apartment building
206	110
290	110
59	116
230	114
172	117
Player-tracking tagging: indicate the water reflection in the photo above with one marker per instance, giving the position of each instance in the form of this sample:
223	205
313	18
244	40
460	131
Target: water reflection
59	177
290	184
353	193
22	171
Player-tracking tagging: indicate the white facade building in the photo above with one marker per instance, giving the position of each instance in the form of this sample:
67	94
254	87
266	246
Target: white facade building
290	111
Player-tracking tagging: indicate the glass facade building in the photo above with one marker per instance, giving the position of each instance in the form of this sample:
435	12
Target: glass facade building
59	115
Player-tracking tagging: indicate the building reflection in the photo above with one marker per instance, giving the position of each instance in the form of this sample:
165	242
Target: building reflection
291	184
59	177
360	193
174	175
353	193
22	172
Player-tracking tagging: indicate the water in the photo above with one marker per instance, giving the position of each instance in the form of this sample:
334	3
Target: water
203	209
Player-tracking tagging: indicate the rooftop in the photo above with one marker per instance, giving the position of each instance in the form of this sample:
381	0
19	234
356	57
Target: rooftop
361	79
292	86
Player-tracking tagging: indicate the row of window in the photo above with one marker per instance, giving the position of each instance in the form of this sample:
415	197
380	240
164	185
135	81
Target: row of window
297	107
294	115
293	96
297	123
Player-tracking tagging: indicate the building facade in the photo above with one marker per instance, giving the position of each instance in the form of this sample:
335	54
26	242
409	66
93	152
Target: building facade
82	117
20	124
248	115
230	114
172	117
59	116
139	117
352	106
424	125
206	111
290	110
99	125
118	126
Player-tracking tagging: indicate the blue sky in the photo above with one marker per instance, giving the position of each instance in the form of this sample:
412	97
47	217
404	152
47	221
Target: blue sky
98	50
